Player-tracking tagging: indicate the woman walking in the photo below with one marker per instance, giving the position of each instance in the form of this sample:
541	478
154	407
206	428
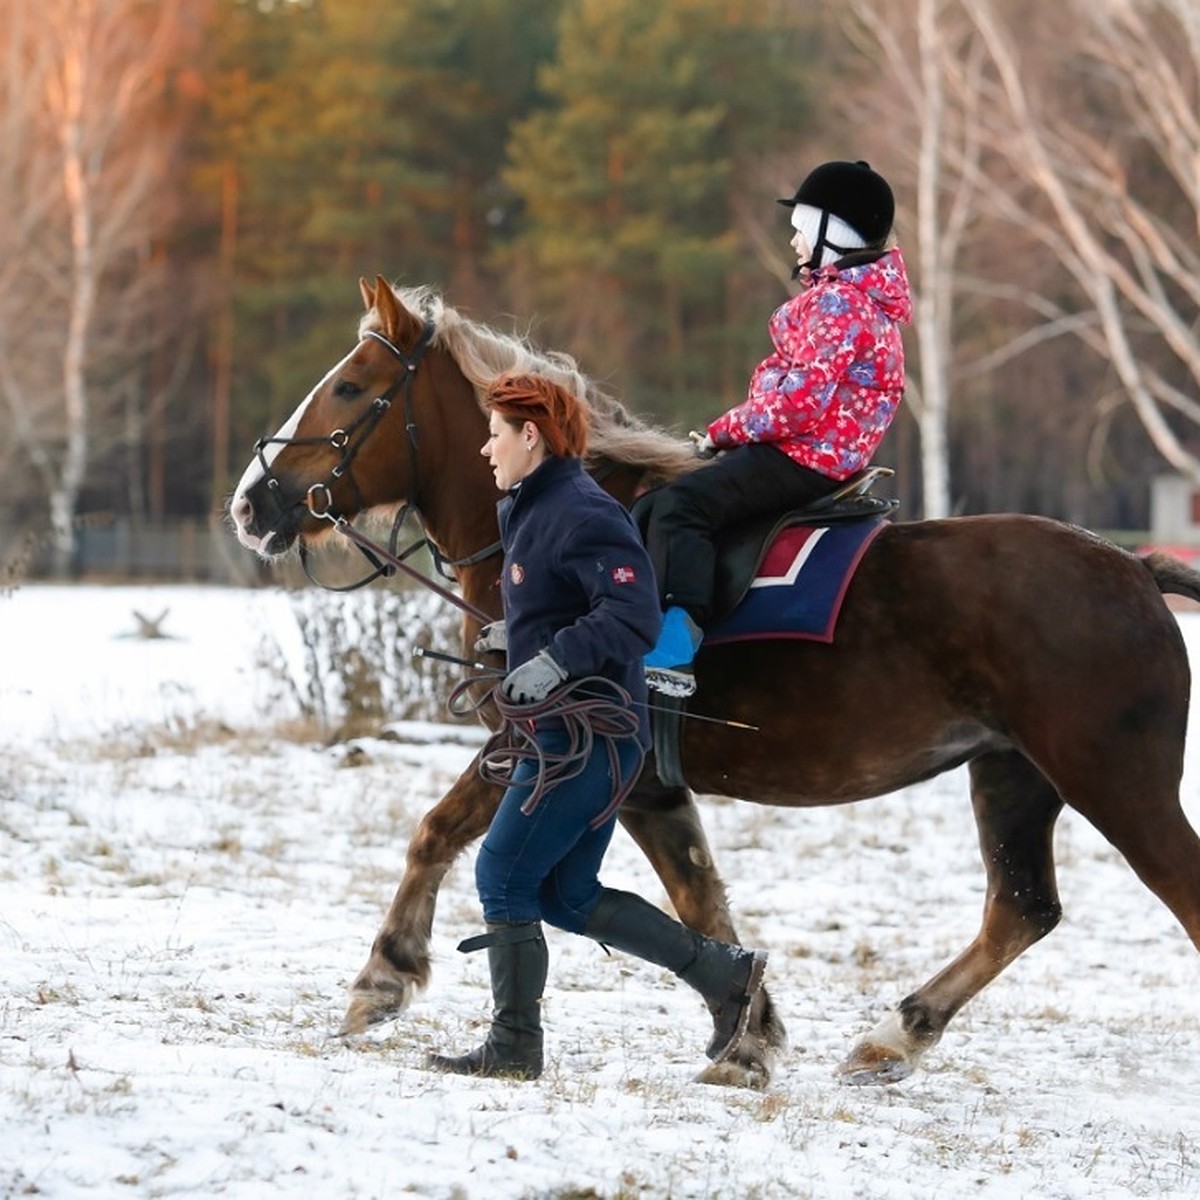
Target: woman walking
580	611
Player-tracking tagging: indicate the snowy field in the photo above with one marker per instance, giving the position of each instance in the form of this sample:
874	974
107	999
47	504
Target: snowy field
188	884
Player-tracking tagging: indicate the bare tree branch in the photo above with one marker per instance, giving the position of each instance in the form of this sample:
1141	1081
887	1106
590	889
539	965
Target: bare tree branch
1119	243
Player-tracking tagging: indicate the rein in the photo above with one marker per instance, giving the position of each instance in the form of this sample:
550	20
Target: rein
392	562
586	715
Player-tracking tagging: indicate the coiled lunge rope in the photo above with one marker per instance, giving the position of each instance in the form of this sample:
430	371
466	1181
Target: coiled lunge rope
587	709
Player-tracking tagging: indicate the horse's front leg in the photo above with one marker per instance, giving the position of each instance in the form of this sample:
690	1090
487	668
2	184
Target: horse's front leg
399	962
665	824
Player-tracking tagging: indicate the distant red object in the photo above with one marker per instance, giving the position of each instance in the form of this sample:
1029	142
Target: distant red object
1188	554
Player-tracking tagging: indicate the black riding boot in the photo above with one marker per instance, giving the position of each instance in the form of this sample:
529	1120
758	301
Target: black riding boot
726	976
518	960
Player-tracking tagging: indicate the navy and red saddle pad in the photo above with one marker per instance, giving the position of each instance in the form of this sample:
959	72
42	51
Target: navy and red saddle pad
798	585
785	576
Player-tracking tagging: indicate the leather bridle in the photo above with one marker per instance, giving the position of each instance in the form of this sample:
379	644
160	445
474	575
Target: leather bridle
318	498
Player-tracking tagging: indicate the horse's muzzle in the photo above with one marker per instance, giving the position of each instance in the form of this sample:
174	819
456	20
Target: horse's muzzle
265	522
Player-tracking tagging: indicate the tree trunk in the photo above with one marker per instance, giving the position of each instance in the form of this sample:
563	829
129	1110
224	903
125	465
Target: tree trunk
81	304
223	351
934	301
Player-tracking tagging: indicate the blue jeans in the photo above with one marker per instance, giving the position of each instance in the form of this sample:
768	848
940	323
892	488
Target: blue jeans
545	865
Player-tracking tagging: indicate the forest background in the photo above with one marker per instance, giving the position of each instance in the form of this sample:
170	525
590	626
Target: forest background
190	189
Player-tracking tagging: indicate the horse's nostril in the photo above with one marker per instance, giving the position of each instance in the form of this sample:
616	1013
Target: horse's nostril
241	510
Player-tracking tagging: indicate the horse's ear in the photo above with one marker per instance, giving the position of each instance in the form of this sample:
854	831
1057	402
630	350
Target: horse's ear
368	294
398	323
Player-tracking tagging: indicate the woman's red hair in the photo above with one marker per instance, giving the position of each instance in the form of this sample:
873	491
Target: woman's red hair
561	419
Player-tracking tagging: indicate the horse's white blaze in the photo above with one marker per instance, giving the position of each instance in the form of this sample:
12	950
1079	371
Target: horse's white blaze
239	508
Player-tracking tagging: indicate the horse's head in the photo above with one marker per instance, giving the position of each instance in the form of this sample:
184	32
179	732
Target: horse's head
398	421
350	445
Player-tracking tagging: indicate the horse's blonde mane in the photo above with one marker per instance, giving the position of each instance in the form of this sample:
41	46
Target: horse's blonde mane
614	433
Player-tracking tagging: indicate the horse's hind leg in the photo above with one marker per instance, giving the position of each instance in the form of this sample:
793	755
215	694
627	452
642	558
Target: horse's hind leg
399	961
1157	841
665	824
1015	811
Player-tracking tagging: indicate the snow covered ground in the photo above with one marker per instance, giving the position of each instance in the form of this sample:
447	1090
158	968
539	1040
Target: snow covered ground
186	893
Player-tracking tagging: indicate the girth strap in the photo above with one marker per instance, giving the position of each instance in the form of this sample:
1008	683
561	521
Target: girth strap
666	727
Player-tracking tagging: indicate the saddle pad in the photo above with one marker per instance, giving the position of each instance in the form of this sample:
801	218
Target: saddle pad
798	589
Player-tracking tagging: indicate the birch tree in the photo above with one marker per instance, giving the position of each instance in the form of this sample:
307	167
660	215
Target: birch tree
86	126
935	142
1109	138
27	184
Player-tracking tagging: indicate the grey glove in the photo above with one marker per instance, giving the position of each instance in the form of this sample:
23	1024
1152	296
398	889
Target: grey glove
703	444
492	637
533	680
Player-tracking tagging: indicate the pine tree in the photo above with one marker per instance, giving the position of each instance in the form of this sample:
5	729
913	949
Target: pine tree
360	139
660	111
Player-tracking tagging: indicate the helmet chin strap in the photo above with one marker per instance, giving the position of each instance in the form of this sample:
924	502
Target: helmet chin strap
817	247
822	244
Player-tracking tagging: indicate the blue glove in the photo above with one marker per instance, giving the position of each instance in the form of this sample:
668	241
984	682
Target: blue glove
492	637
533	680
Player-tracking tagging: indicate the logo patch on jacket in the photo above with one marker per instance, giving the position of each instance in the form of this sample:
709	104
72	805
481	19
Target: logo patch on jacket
623	575
516	573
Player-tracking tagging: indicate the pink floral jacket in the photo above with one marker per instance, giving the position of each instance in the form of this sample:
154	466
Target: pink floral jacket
829	391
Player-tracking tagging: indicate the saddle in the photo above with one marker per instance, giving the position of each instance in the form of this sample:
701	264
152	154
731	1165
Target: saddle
740	550
740	553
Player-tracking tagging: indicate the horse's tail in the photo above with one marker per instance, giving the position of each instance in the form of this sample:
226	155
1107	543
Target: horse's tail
1172	576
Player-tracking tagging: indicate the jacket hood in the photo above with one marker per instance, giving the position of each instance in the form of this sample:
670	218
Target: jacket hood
884	278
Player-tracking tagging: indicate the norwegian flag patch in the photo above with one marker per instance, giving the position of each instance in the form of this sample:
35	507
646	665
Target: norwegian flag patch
623	575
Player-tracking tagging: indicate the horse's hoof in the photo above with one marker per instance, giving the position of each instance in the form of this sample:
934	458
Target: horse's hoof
870	1065
368	1008
740	1069
361	1013
887	1054
381	991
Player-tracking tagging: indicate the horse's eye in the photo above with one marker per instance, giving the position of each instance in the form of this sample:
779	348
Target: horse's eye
346	389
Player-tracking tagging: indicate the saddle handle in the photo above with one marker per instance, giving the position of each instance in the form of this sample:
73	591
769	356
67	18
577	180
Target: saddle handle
860	484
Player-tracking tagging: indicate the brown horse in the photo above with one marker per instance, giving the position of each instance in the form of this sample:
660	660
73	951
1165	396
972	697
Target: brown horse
1042	656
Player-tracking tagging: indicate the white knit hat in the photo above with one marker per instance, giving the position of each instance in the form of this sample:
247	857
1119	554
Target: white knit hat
840	238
